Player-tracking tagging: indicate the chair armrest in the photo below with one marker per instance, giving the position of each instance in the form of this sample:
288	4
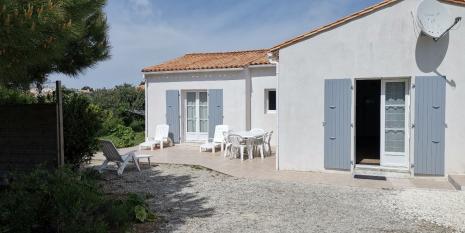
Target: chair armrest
133	152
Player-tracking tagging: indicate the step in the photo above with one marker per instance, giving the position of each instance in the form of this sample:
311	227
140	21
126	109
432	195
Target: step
377	171
458	181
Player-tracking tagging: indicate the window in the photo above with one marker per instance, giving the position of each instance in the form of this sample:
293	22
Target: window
270	101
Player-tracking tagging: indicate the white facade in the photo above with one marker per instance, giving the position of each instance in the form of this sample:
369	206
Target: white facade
383	44
243	89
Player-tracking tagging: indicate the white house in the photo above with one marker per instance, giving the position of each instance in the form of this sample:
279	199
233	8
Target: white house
371	90
195	92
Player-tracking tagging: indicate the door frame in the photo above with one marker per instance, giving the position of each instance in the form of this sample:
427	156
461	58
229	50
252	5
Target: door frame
406	152
410	82
202	137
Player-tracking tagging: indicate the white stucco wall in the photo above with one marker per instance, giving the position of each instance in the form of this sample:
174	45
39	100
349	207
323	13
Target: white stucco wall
232	82
263	79
385	43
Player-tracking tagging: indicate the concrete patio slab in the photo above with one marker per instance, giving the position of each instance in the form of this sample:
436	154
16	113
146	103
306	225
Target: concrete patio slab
189	154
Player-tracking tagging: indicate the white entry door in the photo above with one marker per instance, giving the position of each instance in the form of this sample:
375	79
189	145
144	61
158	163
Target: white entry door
394	123
196	116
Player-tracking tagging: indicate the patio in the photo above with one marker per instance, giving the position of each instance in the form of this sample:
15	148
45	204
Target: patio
188	154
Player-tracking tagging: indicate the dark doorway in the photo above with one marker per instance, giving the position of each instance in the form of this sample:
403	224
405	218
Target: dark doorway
368	120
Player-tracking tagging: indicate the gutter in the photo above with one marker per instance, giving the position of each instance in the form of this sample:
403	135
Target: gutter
274	60
191	71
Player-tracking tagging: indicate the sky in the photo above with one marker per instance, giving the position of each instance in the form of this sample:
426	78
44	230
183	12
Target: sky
149	32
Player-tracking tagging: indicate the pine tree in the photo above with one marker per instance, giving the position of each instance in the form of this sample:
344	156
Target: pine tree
40	37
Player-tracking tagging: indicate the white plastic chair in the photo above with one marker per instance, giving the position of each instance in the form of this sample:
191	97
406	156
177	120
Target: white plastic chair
259	143
267	142
112	155
237	144
257	131
227	144
218	139
161	137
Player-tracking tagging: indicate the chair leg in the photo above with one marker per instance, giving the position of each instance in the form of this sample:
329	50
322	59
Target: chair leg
136	161
149	161
161	145
261	150
242	153
121	167
103	166
213	149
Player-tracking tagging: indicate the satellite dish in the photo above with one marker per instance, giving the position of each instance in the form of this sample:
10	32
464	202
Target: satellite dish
434	19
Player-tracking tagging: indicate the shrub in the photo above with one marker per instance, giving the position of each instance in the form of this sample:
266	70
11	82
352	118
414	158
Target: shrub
122	136
110	122
81	123
66	201
12	96
137	125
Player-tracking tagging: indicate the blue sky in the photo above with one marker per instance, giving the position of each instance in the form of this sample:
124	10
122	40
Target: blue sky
148	32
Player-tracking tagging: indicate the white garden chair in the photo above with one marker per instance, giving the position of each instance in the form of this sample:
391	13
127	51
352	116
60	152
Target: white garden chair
267	142
112	155
259	143
257	131
161	137
227	144
238	144
218	139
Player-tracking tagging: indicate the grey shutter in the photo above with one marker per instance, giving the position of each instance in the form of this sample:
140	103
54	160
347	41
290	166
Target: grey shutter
430	101
215	110
172	114
338	101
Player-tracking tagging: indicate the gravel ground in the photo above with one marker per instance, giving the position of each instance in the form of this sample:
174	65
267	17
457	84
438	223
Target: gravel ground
193	199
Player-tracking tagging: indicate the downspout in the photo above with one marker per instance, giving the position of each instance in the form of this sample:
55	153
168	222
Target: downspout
146	110
248	98
273	59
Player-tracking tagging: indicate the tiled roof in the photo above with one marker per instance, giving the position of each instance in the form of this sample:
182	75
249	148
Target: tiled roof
220	60
347	19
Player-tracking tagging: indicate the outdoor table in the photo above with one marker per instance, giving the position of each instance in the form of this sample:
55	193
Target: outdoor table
249	138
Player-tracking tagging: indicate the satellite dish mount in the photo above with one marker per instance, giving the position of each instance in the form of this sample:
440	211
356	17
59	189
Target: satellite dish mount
434	19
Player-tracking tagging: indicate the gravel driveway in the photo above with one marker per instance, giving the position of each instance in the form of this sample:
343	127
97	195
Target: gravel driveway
193	199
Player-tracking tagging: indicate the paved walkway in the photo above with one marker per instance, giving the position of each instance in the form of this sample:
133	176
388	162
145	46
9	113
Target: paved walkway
265	170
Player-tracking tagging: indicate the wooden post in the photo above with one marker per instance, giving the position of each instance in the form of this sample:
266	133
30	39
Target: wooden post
60	139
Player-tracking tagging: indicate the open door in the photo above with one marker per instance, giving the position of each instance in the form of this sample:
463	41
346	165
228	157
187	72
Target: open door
394	123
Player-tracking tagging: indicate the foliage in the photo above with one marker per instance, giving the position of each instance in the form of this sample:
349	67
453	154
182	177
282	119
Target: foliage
121	100
66	201
81	123
38	37
110	122
137	125
9	96
120	121
123	136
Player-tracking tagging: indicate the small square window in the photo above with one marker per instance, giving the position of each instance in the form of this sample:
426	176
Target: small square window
270	100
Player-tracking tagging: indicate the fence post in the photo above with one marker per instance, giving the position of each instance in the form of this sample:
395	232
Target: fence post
60	139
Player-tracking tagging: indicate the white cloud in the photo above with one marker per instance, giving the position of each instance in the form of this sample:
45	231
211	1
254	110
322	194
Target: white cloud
141	7
140	35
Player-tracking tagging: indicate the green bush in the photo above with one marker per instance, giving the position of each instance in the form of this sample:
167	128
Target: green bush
66	201
110	122
12	96
138	125
81	123
122	136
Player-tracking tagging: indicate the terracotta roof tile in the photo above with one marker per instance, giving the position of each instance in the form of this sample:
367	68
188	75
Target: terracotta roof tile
220	60
346	19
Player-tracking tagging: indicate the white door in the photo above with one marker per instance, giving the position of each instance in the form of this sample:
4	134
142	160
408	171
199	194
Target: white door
196	116
394	123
